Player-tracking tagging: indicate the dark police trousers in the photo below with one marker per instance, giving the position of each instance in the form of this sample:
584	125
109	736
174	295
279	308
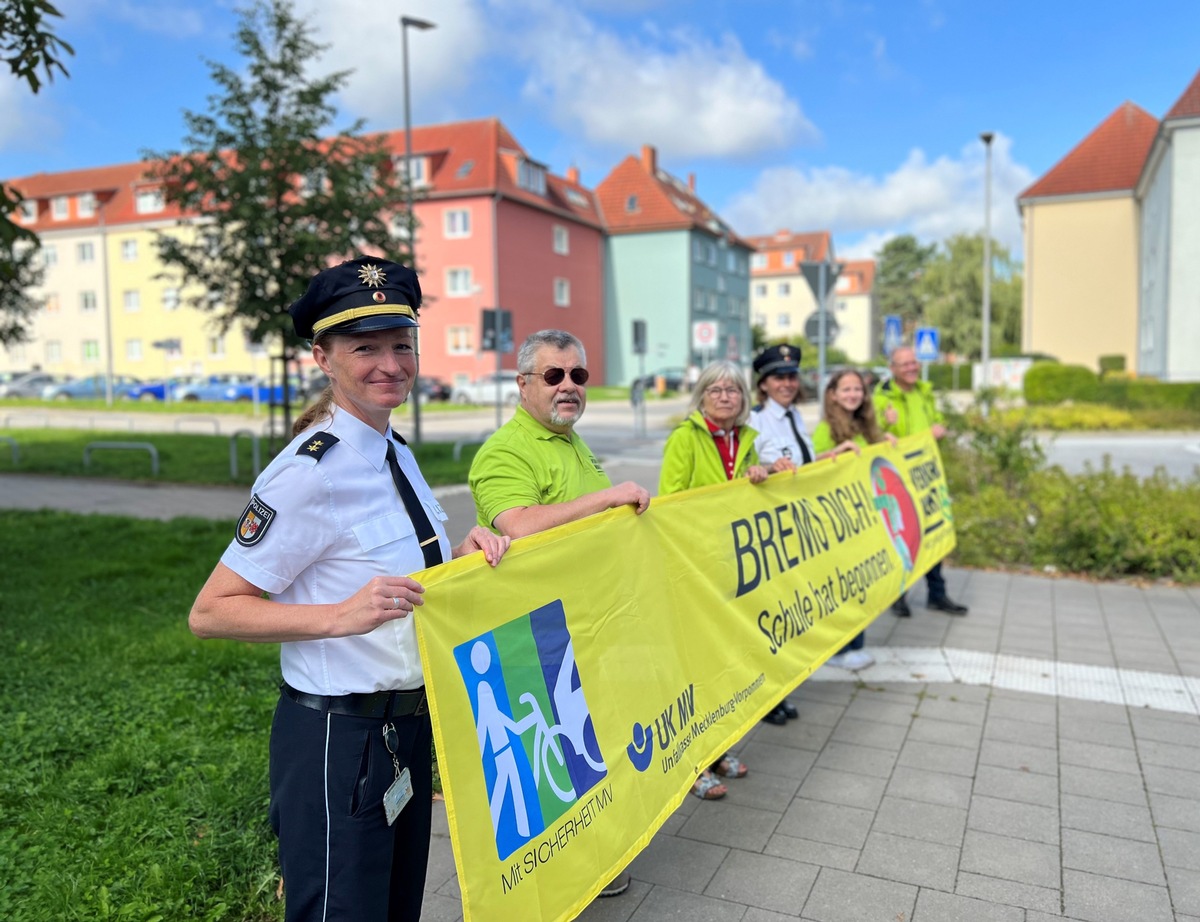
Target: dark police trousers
340	860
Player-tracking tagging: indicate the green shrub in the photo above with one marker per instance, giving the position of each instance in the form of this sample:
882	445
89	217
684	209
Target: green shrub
1048	383
1141	393
1111	363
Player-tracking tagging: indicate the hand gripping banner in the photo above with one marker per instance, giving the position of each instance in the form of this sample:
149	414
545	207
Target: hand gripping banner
580	687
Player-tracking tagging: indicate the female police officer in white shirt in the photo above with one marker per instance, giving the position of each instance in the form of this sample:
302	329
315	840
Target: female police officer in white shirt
333	525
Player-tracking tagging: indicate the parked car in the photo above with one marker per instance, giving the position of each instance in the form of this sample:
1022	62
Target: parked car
92	387
433	389
483	389
673	377
212	390
158	390
31	384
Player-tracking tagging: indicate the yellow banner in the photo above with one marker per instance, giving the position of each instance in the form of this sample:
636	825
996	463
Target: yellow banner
579	688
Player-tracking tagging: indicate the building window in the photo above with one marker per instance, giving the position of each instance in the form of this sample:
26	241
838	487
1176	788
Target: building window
52	303
532	177
216	347
399	225
842	304
170	299
458	283
562	293
760	320
458	340
698	250
783	321
85	252
132	300
149	201
58	208
29	211
760	290
562	240
87	301
784	289
49	255
758	261
698	300
128	250
91	350
418	176
721	283
86	204
133	350
789	258
712	254
631	204
731	262
457	223
53	352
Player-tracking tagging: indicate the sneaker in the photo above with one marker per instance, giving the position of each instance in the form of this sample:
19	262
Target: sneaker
776	716
618	885
789	709
855	660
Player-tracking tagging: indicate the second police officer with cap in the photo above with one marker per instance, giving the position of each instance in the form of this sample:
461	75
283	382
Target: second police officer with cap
319	564
782	435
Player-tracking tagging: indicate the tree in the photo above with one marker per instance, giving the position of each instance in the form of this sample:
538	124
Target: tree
269	196
952	290
27	44
899	268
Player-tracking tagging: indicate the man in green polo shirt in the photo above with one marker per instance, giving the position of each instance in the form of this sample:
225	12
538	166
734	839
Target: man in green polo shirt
904	404
535	472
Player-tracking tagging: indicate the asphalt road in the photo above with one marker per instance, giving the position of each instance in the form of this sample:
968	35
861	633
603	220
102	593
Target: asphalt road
1142	453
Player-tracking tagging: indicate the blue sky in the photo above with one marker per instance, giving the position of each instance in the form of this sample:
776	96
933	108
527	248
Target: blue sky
862	118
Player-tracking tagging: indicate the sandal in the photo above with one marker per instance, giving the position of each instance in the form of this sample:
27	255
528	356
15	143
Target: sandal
709	787
733	767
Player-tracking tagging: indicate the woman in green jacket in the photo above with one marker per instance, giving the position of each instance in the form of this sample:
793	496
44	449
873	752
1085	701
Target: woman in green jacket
849	417
713	445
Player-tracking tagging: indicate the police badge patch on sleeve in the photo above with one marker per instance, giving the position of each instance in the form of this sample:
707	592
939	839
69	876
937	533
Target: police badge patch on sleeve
254	522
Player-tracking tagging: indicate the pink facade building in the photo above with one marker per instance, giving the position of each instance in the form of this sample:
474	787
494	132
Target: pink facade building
496	229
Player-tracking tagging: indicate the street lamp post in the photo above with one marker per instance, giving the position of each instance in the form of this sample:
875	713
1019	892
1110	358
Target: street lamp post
985	351
422	24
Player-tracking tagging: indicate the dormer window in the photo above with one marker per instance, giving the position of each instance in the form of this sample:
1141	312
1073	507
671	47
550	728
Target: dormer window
419	175
532	177
631	204
58	208
86	204
149	201
29	211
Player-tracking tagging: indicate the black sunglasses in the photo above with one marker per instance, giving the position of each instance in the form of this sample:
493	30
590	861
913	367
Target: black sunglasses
554	376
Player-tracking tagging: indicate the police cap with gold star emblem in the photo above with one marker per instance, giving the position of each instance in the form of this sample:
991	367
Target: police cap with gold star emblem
777	360
358	296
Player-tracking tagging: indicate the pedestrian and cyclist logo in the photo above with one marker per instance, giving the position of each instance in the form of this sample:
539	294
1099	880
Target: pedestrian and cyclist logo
536	738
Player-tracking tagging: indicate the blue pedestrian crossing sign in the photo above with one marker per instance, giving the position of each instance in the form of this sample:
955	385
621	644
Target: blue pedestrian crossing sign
925	344
893	333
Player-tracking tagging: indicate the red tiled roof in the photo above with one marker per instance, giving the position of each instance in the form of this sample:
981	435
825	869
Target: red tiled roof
482	157
810	246
1188	105
858	276
465	158
637	197
1109	159
115	188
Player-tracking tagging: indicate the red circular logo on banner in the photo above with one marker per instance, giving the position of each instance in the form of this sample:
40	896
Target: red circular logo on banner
898	511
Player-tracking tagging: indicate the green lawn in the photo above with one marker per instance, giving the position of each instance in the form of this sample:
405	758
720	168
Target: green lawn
133	757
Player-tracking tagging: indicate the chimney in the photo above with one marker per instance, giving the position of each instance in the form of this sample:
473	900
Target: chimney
650	159
573	175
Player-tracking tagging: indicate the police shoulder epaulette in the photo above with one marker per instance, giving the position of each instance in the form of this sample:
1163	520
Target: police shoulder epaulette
316	446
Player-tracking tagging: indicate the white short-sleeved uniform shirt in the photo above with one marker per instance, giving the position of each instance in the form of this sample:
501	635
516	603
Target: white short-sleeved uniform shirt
775	437
323	520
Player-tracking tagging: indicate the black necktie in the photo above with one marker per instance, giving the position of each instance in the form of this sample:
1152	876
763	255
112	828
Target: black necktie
430	546
805	453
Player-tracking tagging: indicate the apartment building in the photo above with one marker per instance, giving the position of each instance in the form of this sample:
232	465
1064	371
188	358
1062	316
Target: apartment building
496	229
672	263
781	301
102	300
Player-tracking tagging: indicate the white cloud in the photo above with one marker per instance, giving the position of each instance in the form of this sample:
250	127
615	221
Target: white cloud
366	38
26	121
688	94
929	199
